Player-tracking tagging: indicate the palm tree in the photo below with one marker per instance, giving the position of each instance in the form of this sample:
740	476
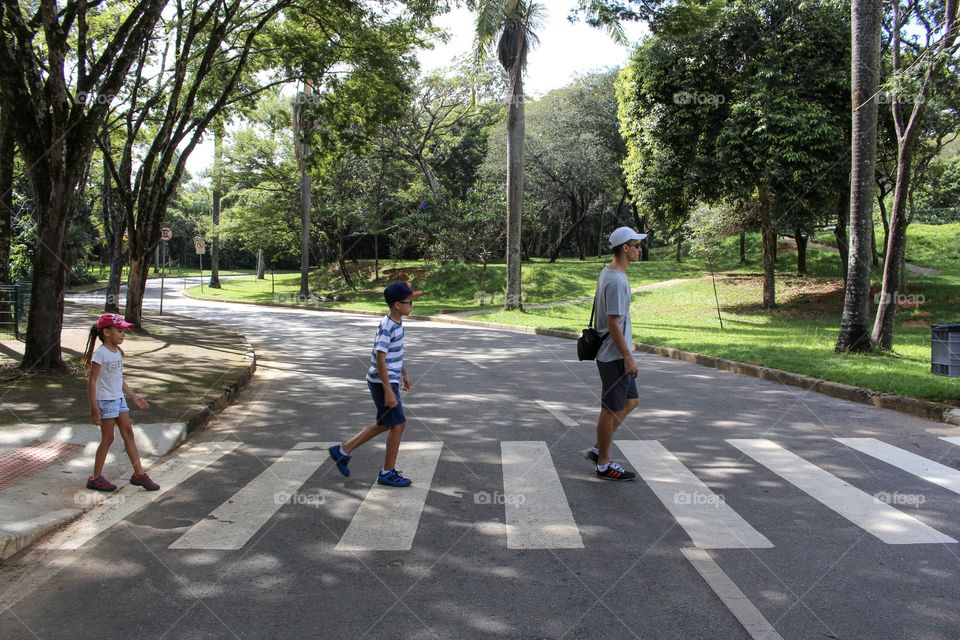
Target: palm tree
511	24
866	23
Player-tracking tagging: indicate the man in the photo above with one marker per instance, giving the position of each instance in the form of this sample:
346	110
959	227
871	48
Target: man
618	369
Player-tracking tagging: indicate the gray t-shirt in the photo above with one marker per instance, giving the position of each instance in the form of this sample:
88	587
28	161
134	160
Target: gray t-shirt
613	299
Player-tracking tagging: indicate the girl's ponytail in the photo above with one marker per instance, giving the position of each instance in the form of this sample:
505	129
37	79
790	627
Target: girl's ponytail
91	343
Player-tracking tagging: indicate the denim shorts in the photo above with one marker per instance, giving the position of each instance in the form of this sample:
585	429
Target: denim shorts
387	416
110	409
617	386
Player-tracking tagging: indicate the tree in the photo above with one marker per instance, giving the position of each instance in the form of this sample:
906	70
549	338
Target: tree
512	25
911	84
60	69
866	17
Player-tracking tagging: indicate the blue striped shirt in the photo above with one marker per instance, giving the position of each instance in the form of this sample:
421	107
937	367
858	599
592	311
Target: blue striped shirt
390	341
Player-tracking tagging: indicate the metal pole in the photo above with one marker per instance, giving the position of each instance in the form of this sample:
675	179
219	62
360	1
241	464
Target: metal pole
16	311
201	273
163	273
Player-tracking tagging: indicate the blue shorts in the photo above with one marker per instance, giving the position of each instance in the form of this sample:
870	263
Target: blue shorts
616	385
387	416
111	409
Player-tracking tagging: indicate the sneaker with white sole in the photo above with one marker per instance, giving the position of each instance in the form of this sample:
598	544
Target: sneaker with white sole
615	472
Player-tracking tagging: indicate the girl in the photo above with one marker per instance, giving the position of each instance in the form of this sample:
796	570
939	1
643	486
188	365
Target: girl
106	390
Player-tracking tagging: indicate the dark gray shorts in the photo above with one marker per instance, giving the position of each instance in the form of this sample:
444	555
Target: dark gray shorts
616	386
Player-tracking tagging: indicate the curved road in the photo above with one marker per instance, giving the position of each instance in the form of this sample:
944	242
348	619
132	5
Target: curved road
749	520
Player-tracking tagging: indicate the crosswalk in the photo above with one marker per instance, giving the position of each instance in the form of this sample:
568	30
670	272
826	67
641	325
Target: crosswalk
536	510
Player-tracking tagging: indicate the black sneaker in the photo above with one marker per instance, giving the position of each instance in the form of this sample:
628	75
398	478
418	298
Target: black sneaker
591	456
615	472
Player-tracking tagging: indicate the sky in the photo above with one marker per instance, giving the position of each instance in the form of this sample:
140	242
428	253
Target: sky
565	50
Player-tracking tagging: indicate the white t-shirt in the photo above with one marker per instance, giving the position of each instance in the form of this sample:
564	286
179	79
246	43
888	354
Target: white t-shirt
110	380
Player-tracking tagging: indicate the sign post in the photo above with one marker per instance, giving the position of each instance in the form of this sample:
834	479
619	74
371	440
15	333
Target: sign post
200	246
166	234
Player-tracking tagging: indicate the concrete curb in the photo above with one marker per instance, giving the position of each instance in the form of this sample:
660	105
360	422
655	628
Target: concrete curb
912	406
13	540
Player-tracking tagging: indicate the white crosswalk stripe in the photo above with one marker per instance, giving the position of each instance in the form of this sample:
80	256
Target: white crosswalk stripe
234	522
931	471
706	517
883	521
538	515
389	517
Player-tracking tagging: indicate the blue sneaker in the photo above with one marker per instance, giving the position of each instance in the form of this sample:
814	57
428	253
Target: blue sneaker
342	459
393	478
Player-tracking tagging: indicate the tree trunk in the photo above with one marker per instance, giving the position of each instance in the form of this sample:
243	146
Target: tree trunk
217	195
866	21
114	226
896	246
840	233
136	288
45	319
7	155
302	149
515	153
769	252
645	245
801	241
261	265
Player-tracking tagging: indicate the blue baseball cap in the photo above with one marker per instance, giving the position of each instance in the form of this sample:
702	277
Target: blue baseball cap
397	291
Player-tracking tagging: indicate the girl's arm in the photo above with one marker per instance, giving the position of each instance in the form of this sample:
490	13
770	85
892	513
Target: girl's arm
137	400
92	393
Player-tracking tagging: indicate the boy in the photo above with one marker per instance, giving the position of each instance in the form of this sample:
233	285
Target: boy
384	379
615	363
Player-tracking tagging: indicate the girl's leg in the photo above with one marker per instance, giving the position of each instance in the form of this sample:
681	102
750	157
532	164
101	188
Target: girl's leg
126	432
106	439
368	433
393	446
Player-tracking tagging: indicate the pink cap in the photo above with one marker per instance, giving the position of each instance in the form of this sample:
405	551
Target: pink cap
112	320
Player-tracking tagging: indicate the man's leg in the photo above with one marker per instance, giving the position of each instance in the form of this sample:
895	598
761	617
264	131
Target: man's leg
606	425
618	418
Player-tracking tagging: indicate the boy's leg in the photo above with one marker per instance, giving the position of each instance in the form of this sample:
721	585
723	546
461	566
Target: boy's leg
393	446
126	432
365	435
106	439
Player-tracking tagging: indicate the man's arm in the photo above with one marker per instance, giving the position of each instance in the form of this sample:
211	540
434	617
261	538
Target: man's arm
616	334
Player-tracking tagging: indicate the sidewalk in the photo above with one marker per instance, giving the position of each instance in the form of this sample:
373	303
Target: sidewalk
186	369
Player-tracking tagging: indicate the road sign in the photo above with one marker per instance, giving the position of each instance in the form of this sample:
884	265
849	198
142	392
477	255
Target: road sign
166	234
201	246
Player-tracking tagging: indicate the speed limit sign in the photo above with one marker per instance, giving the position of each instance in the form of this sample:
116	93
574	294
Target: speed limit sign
199	244
166	234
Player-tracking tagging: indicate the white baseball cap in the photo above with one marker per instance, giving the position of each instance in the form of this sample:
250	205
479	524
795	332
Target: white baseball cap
624	234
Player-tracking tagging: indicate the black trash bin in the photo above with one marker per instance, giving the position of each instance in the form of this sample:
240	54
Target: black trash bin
945	347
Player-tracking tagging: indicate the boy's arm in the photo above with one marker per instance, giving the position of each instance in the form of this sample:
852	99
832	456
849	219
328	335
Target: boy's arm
92	393
405	375
389	398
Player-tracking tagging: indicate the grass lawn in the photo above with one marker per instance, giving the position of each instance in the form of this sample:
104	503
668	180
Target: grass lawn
101	280
450	287
798	336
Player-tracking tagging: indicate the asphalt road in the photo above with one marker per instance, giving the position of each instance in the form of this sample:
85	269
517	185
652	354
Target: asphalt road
507	534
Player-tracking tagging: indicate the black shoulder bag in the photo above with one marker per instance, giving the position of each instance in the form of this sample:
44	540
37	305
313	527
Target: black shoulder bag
590	341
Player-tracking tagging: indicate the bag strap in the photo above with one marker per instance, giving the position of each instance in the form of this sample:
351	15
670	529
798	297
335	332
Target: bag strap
594	309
